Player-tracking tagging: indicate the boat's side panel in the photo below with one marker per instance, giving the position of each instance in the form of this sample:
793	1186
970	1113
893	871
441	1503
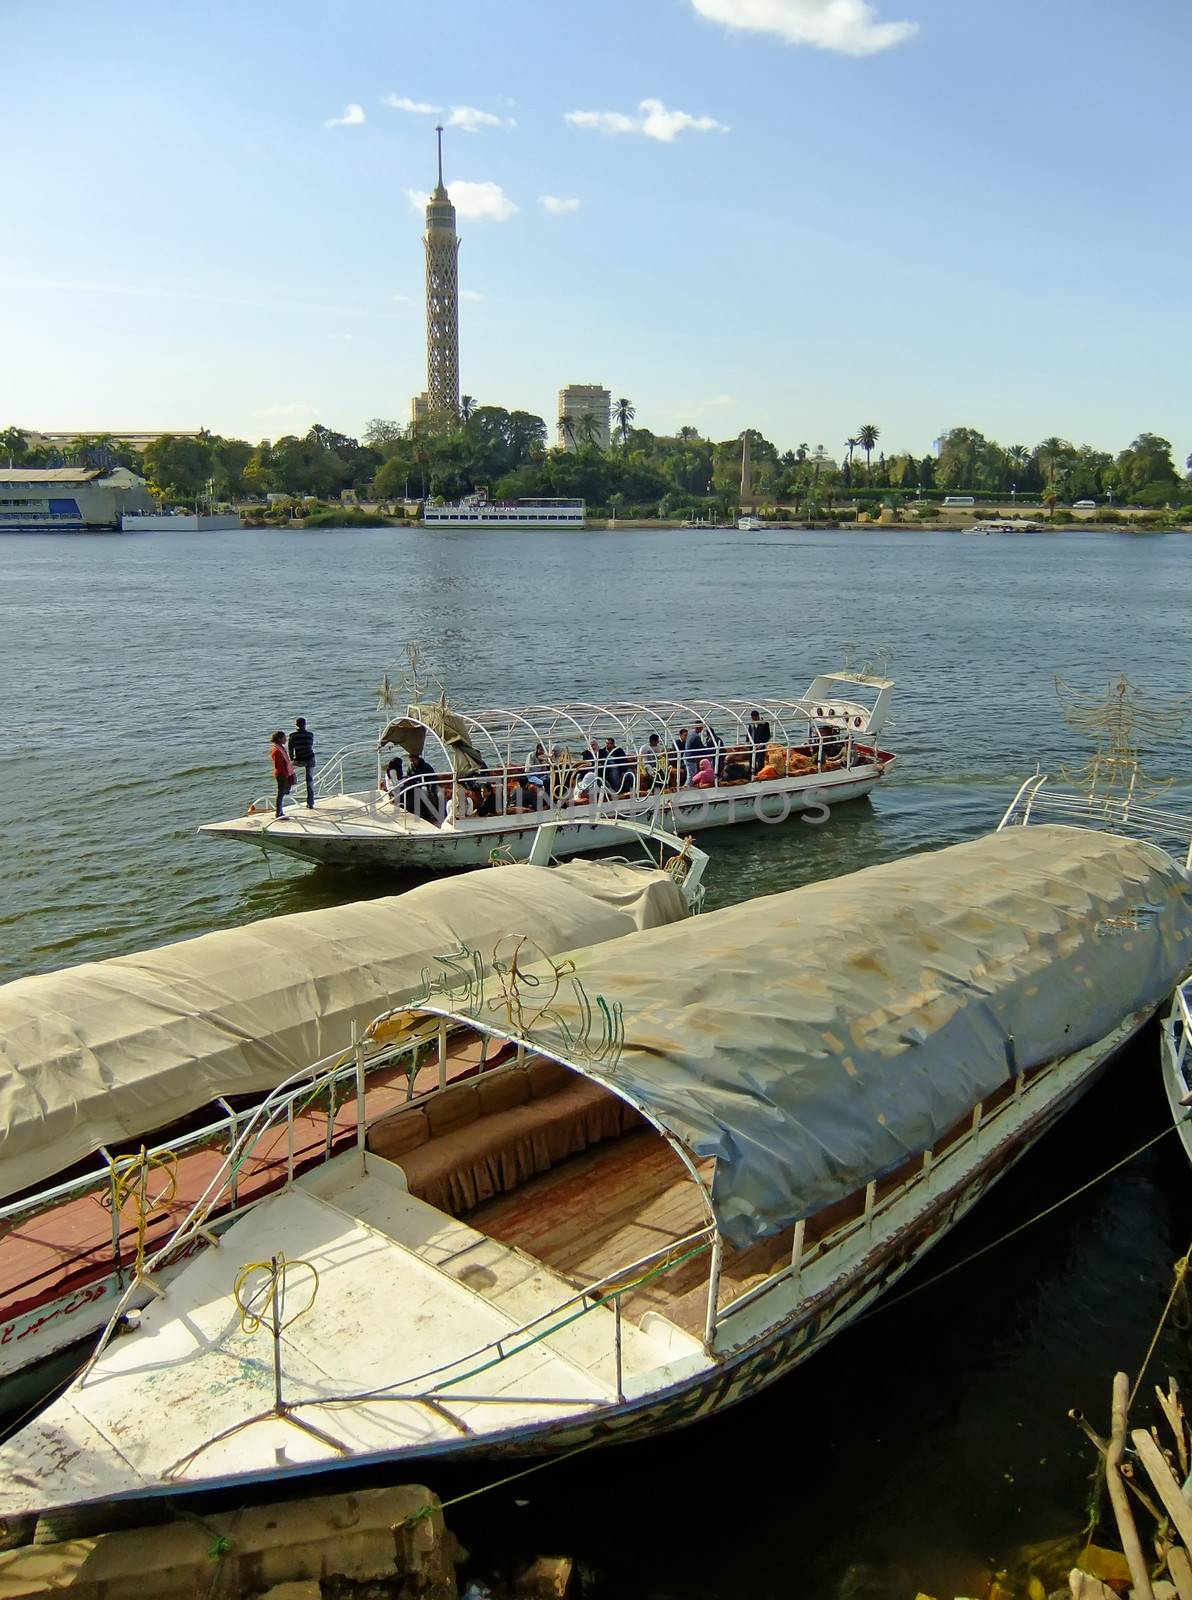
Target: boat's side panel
1176	1081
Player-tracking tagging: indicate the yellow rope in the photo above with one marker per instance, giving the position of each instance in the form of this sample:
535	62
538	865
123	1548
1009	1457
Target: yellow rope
1181	1272
130	1176
275	1275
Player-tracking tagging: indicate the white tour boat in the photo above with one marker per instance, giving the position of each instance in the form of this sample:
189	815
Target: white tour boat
472	799
126	1082
478	511
630	1188
750	525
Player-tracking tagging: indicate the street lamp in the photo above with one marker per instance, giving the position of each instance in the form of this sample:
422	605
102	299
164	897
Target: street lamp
1013	492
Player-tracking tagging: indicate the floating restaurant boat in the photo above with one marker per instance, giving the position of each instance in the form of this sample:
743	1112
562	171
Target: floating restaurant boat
823	750
633	1187
125	1083
478	511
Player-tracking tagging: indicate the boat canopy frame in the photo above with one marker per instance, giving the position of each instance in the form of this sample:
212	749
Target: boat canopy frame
499	734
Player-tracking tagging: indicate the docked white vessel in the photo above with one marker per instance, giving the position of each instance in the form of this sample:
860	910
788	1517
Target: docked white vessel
627	1189
494	776
478	511
750	525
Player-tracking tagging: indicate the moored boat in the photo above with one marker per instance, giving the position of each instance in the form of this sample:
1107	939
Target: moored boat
1175	1045
494	776
125	1083
636	1186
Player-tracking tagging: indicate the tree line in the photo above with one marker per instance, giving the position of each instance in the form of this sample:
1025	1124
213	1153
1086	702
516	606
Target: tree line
640	473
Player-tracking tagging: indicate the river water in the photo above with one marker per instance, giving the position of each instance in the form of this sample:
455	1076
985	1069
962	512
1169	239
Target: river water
141	677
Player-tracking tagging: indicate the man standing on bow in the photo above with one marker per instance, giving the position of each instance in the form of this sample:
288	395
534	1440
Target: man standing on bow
302	754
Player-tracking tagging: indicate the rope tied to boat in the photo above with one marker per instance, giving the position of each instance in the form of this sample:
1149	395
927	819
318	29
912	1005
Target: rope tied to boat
1180	1272
130	1177
256	1303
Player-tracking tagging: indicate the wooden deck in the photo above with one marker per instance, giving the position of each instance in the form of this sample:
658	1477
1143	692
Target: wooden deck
598	1212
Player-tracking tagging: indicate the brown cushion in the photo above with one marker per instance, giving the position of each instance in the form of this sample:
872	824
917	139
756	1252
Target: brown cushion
547	1077
501	1090
454	1108
398	1135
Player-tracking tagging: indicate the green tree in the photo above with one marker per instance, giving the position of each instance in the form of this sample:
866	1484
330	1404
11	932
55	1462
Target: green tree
567	430
623	415
13	446
229	463
177	468
467	404
867	437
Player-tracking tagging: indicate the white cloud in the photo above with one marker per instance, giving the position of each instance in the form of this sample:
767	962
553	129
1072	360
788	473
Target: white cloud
420	108
352	118
849	27
468	119
557	205
470	294
652	119
289	408
471	121
474	202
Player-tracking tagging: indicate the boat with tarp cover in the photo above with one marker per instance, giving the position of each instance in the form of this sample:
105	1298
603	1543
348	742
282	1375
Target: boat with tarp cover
488	778
125	1084
635	1186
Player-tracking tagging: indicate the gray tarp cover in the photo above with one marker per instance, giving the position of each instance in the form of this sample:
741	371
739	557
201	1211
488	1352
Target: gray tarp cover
114	1049
814	1039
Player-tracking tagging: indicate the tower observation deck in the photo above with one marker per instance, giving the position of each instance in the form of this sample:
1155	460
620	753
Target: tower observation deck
442	300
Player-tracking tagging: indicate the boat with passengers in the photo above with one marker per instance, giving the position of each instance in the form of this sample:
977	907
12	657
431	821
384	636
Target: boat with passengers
483	781
127	1082
631	1187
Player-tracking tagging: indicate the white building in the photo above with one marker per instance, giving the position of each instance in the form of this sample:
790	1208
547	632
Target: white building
69	499
584	413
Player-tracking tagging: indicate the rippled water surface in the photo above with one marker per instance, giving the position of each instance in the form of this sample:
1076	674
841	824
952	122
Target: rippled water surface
141	678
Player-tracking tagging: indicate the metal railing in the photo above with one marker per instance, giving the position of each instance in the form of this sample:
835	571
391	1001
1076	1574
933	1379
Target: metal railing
1179	1030
1035	801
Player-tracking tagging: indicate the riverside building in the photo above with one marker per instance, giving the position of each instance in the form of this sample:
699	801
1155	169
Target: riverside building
584	410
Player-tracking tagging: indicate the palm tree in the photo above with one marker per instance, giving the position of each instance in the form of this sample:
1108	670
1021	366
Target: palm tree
587	426
850	445
467	405
623	415
13	444
567	430
801	453
867	436
687	433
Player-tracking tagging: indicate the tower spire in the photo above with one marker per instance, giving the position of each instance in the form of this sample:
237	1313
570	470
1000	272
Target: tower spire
439	132
442	300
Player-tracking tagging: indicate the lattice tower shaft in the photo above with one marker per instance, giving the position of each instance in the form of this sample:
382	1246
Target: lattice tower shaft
442	306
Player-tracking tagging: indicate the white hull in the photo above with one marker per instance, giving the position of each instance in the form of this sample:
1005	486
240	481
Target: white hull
1177	1068
357	829
555	1392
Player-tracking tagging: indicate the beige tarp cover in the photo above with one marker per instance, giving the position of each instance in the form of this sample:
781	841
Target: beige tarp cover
812	1040
114	1049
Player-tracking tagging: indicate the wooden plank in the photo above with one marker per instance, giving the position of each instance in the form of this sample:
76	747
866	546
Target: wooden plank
1164	1480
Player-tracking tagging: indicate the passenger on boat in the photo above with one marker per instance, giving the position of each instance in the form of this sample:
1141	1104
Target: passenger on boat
587	788
675	777
485	800
715	747
538	768
283	767
420	792
394	778
649	759
764	773
830	742
616	771
695	748
737	765
459	804
705	776
759	737
520	795
302	754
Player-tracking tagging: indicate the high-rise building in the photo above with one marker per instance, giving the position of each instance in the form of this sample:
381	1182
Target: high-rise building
442	301
584	410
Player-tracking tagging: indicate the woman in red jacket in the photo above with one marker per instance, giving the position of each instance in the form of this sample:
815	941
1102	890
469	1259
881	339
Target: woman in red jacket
283	767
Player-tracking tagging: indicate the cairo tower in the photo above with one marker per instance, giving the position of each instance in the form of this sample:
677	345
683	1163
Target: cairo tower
442	304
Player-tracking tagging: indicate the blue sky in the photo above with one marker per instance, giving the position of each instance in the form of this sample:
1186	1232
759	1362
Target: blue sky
918	214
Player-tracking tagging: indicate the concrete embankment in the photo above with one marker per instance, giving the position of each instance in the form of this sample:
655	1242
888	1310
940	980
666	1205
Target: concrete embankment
379	1542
